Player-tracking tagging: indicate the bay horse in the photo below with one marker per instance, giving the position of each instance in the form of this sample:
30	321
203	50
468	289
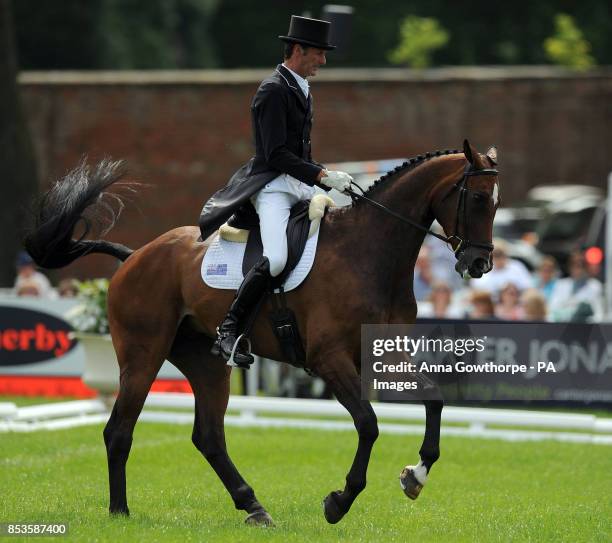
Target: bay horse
159	307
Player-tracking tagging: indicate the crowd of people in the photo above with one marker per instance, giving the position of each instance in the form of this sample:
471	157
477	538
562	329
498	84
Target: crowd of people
31	282
509	291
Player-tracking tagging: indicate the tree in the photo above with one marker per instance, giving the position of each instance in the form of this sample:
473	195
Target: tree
18	179
115	34
419	37
137	34
567	47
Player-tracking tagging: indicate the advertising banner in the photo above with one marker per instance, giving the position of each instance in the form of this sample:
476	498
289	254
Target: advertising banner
488	361
39	357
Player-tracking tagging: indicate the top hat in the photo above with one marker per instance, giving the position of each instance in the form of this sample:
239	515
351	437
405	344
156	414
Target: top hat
306	31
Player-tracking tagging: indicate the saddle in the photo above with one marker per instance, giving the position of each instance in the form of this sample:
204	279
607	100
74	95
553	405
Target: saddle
304	221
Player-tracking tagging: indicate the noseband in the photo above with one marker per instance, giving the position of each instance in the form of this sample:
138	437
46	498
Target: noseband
462	187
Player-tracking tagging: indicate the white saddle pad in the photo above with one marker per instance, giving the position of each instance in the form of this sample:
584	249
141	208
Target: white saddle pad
222	264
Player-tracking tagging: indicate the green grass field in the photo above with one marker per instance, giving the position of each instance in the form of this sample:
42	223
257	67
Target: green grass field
479	491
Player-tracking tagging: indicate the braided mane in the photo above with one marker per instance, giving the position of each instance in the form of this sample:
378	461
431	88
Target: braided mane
408	165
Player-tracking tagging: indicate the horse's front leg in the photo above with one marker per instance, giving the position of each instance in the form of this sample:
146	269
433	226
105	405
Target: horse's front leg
342	377
413	478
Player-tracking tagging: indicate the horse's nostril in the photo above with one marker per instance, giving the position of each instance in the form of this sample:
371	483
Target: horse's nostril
480	264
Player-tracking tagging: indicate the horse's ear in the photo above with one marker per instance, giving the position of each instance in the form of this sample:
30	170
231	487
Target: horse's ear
492	154
467	151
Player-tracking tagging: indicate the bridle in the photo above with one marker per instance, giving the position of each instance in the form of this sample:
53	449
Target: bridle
464	190
462	187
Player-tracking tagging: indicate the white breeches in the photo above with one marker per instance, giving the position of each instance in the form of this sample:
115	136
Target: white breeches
273	204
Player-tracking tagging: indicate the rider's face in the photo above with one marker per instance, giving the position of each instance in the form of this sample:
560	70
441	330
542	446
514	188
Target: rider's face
310	60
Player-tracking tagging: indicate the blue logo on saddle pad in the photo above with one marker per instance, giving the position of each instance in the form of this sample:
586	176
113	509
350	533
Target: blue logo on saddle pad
216	269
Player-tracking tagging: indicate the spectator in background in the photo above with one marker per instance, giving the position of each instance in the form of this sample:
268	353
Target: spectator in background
546	276
423	276
439	304
533	305
577	298
67	288
28	288
442	260
505	270
508	308
482	306
28	277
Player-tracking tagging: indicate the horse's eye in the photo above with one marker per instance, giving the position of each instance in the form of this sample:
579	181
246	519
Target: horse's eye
480	197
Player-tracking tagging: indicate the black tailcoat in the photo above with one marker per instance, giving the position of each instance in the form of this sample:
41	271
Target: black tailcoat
282	120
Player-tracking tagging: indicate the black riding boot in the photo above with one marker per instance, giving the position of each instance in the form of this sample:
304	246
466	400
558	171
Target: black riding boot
248	295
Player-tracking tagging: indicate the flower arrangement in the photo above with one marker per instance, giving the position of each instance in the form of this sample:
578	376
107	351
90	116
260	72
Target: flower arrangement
91	315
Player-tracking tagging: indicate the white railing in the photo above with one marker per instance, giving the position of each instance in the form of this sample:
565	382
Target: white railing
281	412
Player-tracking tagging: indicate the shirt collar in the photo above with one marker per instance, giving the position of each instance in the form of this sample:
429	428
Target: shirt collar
299	80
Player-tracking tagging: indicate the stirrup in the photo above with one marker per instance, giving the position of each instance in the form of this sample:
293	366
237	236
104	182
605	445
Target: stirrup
231	361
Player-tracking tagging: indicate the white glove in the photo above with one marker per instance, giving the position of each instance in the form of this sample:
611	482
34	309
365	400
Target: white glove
336	180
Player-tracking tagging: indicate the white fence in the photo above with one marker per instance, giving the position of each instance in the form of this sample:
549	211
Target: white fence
281	413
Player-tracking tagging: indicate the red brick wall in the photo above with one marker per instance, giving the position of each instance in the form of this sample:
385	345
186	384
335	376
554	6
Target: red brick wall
185	133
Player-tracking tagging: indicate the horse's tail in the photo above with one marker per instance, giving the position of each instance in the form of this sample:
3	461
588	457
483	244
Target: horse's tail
79	197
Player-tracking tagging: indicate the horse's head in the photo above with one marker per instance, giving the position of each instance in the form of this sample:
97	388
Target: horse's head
466	206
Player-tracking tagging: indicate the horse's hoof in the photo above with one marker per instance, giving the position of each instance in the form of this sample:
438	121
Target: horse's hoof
331	509
259	518
119	512
409	483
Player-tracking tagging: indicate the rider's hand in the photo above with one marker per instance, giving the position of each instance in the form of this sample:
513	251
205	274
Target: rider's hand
336	180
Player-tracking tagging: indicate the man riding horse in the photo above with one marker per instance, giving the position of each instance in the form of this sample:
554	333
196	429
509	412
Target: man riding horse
158	312
280	174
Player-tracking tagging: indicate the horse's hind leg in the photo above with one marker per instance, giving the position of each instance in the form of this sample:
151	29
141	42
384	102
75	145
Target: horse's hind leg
412	478
140	363
209	377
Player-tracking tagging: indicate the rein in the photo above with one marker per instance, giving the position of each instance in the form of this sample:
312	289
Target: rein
463	190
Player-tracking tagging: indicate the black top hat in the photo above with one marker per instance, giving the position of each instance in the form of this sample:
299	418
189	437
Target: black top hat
313	32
